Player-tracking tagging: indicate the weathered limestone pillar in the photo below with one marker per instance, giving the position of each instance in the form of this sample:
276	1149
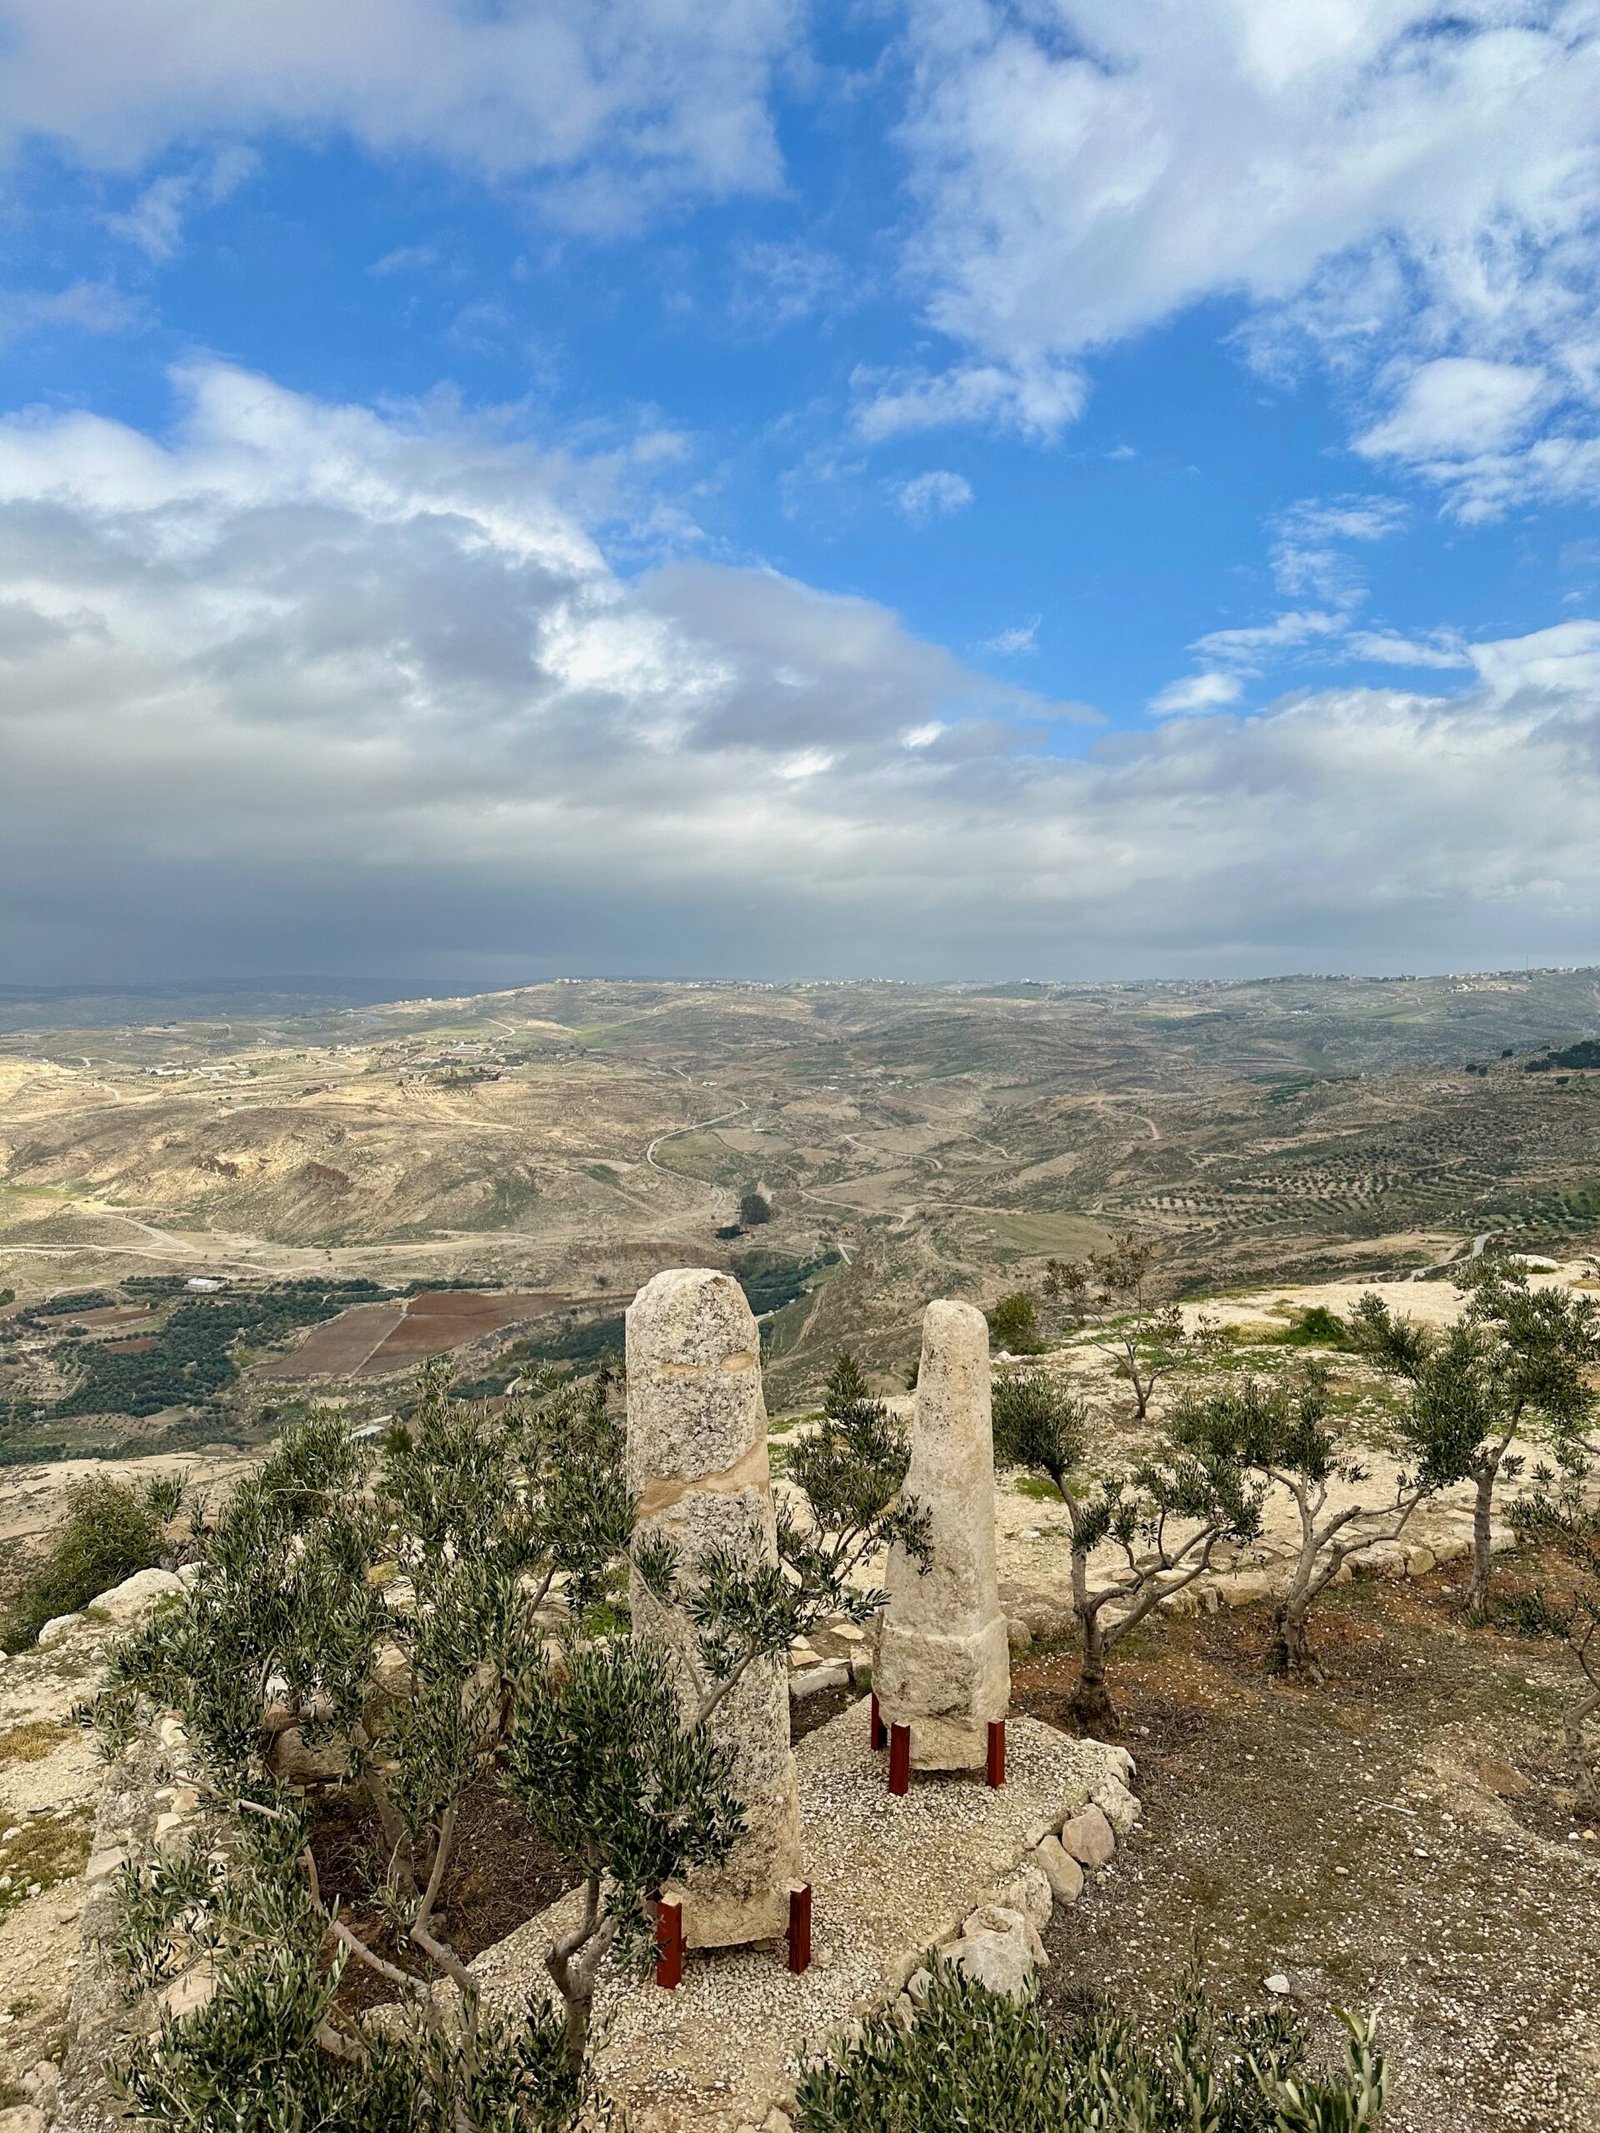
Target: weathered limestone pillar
697	1466
943	1667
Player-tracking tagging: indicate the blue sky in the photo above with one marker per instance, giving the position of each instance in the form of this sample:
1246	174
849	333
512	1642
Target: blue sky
936	488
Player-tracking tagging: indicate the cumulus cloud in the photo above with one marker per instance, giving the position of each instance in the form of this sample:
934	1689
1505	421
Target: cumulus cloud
936	494
305	687
1395	187
610	103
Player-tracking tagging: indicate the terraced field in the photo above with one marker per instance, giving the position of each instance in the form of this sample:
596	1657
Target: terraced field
567	1139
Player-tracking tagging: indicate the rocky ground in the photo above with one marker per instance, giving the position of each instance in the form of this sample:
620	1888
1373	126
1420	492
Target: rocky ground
49	1782
1407	1837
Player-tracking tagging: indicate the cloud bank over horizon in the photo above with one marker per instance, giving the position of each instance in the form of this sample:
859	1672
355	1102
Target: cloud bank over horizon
965	486
308	686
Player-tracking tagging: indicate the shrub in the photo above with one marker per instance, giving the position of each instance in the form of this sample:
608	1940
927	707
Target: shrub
1014	1324
975	2058
1318	1328
111	1531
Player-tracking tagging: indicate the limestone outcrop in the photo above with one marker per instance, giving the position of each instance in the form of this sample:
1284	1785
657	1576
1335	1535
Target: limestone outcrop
943	1663
697	1465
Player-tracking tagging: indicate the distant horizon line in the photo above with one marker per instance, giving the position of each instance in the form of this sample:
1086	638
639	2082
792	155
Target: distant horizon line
428	989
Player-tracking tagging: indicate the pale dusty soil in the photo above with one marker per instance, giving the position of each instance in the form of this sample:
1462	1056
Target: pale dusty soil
39	1935
33	1498
1031	1532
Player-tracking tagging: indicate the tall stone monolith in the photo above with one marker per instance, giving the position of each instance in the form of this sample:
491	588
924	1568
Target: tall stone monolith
943	1667
697	1466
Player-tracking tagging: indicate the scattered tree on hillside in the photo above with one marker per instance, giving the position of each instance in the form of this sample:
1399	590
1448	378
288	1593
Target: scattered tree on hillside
1515	1363
1145	1339
1014	1324
1163	1516
1279	1434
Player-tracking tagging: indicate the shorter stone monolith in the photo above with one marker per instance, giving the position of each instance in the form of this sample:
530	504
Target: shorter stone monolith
943	1668
697	1466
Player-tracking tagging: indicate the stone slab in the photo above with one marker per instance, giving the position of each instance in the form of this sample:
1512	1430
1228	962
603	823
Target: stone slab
891	1878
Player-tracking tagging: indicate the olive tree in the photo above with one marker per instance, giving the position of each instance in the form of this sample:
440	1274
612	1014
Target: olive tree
396	1630
371	1628
1160	1520
1515	1364
1279	1434
1145	1338
975	2058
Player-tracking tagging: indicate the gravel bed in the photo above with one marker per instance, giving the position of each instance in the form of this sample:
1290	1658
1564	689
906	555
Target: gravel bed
891	1877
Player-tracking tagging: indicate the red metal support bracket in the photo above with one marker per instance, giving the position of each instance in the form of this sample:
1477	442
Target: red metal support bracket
669	1946
799	1934
880	1732
899	1759
996	1767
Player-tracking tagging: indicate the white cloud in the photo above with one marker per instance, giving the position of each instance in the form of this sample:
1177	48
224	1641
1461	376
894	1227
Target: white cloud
1308	555
610	103
1562	663
1011	643
1440	648
1245	648
302	687
1197	692
155	220
405	259
1037	400
1456	408
778	283
1391	186
81	307
936	494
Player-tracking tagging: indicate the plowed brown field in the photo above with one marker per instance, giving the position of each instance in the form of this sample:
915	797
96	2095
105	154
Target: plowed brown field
441	1319
371	1339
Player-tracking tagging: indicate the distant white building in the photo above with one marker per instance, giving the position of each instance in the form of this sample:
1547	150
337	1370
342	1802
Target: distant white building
204	1284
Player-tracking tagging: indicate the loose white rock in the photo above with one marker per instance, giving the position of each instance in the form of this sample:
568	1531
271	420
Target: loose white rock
1000	1960
1028	1891
133	1599
1060	1869
1088	1837
1120	1807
